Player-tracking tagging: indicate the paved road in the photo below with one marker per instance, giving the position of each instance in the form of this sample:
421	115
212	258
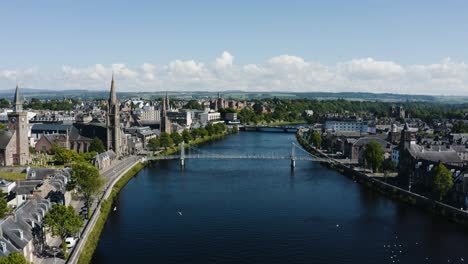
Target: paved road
109	175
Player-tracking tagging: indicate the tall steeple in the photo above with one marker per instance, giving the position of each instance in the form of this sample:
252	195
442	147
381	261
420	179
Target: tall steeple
113	94
167	102
113	121
17	103
165	122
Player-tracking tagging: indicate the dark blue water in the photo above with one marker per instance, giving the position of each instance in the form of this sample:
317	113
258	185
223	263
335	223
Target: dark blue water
250	211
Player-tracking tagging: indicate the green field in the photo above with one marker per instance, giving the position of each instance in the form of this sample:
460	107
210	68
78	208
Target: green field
12	176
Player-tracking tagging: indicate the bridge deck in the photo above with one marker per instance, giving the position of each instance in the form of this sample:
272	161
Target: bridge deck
264	157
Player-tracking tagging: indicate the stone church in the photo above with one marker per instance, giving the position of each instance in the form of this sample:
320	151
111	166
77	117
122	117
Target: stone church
14	141
116	140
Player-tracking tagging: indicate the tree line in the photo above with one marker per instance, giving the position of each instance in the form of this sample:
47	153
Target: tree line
166	140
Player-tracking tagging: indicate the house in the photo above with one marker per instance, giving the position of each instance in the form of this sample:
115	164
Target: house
104	160
417	161
18	231
354	148
46	142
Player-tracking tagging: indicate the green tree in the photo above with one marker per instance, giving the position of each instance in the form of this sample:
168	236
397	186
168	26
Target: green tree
85	156
316	139
14	258
154	144
219	128
166	140
195	133
193	104
442	181
3	205
203	132
87	180
97	145
374	155
2	126
258	108
176	138
4	103
186	136
63	221
61	155
210	129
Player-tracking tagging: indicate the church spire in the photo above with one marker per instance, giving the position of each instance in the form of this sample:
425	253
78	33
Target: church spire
168	106
17	104
113	94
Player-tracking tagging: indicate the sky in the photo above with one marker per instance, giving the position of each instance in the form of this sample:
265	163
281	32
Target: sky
407	47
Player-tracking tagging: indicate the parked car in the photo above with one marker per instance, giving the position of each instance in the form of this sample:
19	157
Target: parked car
71	241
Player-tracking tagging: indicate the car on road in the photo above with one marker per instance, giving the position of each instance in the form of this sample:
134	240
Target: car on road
71	241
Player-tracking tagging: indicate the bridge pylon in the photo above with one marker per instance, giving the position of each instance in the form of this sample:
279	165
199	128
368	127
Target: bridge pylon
293	155
182	154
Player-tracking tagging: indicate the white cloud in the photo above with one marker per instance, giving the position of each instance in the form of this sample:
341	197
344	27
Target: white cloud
225	60
371	69
280	73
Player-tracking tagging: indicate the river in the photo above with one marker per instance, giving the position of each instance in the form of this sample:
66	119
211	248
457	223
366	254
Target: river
255	211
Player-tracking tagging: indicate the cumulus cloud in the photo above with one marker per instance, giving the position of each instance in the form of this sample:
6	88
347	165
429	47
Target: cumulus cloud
279	73
225	60
371	69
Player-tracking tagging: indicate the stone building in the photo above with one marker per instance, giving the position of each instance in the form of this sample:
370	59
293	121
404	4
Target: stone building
14	143
165	121
113	122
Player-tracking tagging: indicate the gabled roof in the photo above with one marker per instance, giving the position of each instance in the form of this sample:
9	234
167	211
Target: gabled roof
440	155
21	222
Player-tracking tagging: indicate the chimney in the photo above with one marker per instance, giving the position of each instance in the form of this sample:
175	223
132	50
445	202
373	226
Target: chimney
3	245
21	235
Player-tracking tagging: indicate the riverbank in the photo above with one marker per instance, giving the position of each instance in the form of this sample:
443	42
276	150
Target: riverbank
106	204
198	141
391	191
106	207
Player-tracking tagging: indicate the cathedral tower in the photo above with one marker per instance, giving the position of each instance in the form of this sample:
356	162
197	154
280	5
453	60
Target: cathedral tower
113	121
165	122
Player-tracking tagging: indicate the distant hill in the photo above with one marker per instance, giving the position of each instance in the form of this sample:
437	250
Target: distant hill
234	94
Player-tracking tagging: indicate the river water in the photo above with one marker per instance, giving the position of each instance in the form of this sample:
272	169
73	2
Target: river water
258	211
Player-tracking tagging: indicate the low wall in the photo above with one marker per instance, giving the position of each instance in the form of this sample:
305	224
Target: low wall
392	191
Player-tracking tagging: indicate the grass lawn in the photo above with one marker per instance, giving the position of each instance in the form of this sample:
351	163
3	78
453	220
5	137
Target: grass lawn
12	176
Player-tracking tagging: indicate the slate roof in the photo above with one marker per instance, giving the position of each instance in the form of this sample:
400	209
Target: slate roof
51	127
9	248
364	140
53	138
39	173
433	154
5	137
108	155
22	221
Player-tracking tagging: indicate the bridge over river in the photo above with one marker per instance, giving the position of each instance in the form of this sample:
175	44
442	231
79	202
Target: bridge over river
293	156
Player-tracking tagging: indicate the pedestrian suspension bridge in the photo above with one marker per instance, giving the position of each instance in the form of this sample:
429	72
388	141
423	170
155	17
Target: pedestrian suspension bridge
202	154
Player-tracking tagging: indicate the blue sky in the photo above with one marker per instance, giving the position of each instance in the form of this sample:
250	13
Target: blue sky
40	38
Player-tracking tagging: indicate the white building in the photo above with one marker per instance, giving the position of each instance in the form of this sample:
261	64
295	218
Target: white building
353	126
148	113
206	118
